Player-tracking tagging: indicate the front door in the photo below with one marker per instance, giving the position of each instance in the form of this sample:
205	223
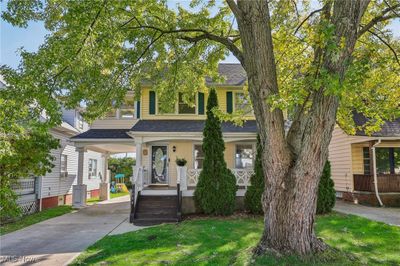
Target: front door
159	165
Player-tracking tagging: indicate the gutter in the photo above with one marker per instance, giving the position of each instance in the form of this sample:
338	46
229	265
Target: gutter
375	174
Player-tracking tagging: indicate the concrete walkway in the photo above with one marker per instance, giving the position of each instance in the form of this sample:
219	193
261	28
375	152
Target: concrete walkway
59	240
387	215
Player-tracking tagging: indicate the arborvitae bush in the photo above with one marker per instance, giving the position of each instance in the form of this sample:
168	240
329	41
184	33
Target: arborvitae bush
252	198
216	189
326	191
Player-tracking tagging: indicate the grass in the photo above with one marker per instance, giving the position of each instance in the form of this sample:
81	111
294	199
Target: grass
118	194
112	195
213	241
34	218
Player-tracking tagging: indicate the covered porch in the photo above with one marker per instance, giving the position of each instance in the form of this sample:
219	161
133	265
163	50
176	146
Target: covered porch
107	142
376	169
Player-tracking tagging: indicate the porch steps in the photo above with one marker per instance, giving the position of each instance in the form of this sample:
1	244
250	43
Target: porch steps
155	209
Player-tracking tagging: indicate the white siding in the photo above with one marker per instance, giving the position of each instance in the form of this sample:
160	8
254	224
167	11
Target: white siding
341	162
54	185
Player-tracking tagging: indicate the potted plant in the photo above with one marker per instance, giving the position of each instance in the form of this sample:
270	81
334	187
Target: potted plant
181	171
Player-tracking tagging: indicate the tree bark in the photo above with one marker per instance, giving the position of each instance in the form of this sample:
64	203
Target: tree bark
292	165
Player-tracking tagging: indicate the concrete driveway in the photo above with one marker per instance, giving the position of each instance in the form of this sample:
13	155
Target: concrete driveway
381	214
59	240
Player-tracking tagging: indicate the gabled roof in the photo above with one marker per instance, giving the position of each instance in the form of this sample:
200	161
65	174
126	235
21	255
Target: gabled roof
234	75
104	134
388	129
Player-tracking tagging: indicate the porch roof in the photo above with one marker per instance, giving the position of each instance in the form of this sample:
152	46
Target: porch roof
104	134
190	126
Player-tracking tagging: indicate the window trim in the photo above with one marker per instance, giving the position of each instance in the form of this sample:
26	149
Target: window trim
254	149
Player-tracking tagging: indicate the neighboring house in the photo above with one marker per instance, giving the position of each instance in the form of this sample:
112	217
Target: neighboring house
55	188
352	160
159	136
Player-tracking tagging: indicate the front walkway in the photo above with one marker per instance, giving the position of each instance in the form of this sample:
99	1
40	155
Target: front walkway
382	214
59	240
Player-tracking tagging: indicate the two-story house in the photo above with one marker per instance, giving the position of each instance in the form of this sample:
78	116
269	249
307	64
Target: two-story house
159	136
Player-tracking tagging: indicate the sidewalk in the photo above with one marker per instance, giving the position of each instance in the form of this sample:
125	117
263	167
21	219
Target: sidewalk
59	240
381	214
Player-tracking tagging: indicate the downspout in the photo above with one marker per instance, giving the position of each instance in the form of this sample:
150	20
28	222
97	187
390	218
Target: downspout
375	174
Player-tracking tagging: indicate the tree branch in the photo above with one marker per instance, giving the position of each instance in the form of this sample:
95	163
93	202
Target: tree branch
235	9
229	44
380	18
387	44
307	18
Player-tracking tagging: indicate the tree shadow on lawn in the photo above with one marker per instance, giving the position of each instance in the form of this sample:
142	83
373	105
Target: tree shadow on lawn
370	241
216	241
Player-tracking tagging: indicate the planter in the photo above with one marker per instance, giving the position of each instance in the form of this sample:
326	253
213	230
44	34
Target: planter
181	176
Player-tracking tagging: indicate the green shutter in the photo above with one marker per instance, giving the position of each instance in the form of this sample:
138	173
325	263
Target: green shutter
229	102
201	103
152	103
138	110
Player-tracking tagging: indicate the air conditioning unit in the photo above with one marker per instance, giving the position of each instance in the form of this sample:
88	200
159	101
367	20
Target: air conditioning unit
64	174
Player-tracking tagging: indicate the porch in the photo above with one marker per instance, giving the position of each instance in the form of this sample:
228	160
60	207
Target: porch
386	183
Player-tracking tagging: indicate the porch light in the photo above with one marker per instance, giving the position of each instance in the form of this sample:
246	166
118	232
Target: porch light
174	148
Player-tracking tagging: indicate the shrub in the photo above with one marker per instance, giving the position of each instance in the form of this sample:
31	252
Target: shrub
326	191
252	198
216	189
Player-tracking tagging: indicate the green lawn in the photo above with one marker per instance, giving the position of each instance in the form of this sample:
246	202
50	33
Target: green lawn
213	241
35	218
118	194
112	195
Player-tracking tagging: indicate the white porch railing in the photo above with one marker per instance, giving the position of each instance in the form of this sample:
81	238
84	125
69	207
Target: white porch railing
242	176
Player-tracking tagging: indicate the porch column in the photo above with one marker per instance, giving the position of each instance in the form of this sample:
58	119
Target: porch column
138	148
79	190
105	183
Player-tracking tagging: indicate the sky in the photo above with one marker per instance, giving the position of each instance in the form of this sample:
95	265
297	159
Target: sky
30	38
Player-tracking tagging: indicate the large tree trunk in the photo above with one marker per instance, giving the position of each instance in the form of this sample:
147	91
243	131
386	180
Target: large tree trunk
293	164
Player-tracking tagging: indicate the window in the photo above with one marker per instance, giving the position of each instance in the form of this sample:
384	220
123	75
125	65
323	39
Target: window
92	168
80	121
184	108
165	108
198	156
367	161
127	109
243	103
244	156
388	160
112	113
64	165
180	108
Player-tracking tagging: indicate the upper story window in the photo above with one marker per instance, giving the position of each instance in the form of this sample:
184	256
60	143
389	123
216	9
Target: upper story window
244	156
180	108
243	103
80	121
127	109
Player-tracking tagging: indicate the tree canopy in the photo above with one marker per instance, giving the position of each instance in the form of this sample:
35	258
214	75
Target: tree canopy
97	50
